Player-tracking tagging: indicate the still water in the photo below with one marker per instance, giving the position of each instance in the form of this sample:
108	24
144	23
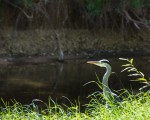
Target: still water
27	82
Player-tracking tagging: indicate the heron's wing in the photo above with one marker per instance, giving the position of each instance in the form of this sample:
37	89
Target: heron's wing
116	98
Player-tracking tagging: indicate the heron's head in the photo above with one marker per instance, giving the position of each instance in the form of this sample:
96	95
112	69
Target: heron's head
101	63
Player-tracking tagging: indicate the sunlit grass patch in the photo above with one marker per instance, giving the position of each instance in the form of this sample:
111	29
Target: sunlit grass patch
136	107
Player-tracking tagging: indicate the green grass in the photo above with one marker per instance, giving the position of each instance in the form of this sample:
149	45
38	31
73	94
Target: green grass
135	107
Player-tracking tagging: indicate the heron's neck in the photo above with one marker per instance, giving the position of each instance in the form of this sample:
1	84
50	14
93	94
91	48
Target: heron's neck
105	79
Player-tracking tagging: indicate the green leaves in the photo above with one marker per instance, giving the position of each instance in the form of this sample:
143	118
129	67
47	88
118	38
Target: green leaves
134	72
131	61
26	3
137	3
94	7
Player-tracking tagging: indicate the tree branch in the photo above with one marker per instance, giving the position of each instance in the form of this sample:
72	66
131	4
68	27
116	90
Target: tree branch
28	16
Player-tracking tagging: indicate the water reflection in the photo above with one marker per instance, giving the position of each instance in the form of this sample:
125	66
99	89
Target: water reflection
27	82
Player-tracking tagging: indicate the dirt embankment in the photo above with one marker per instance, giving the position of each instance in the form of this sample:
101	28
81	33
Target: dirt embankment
73	41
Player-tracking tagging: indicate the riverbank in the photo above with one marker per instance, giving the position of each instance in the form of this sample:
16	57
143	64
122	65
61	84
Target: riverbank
42	42
14	60
40	45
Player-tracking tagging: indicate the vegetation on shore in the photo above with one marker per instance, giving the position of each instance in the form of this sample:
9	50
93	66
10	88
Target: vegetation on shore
34	27
83	14
133	106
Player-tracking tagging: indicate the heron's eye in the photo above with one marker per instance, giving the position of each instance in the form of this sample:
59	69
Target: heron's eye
106	62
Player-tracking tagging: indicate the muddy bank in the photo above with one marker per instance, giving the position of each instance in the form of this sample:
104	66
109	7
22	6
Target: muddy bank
4	61
75	43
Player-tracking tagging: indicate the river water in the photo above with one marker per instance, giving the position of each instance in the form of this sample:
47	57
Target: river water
27	82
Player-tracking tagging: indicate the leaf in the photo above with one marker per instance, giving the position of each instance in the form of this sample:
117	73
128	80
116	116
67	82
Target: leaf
89	83
126	65
132	69
136	74
141	79
126	69
141	73
143	87
134	80
144	82
131	61
123	59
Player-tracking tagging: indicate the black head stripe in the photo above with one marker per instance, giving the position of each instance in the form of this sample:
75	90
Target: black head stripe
105	61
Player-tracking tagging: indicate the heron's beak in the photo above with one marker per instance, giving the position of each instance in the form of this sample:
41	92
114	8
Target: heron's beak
92	62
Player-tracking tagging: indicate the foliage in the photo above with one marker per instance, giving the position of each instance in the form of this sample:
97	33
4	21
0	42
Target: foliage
130	11
23	3
94	7
137	3
83	14
126	110
134	72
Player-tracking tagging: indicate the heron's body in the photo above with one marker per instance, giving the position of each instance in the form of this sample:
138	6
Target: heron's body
108	94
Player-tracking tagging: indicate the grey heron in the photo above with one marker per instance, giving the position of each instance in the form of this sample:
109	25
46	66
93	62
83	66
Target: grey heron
109	96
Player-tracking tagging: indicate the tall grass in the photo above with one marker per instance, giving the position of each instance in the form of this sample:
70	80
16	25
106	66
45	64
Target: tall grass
133	106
